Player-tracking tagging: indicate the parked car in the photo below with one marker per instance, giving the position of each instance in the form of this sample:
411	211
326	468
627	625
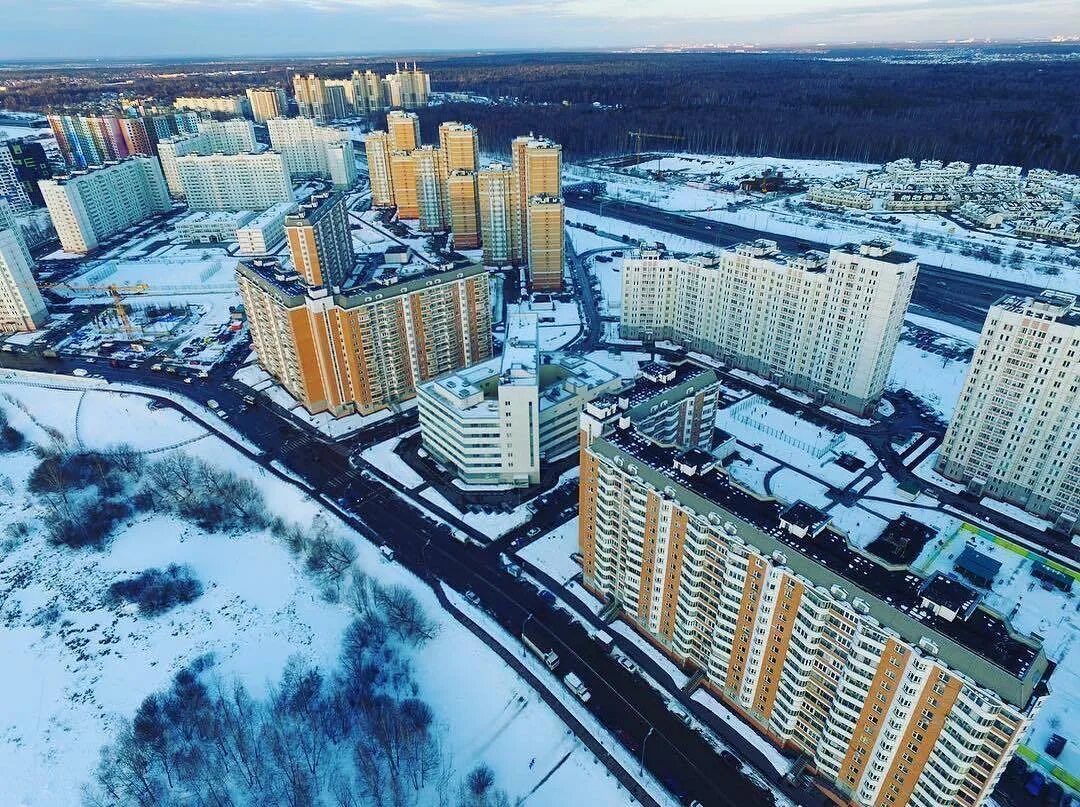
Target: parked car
627	665
546	596
473	599
577	686
79	371
387	552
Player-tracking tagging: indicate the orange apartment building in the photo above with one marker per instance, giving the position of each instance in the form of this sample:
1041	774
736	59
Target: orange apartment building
899	690
363	349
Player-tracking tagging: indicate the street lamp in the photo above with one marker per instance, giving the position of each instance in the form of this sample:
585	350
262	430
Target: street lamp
648	734
524	649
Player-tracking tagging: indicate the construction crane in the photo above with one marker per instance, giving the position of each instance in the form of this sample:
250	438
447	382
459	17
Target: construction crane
637	137
116	292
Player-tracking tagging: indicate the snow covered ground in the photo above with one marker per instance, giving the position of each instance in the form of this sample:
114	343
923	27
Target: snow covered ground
75	665
491	524
935	379
552	552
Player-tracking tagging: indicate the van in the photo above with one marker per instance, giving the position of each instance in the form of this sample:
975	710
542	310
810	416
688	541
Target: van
577	686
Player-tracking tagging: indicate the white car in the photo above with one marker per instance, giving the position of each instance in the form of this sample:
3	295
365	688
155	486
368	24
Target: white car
79	371
627	665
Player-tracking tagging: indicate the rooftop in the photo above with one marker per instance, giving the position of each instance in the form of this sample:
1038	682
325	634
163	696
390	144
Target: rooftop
982	645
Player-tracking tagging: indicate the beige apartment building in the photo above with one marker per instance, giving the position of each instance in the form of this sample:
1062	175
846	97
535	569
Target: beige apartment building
495	199
403	183
463	210
223	104
313	151
267	103
403	129
824	324
433	208
546	220
254	181
537	165
900	691
459	147
1015	433
236	136
363	350
320	242
310	94
377	149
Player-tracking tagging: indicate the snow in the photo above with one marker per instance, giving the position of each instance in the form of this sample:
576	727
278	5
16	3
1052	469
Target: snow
491	524
624	362
776	759
935	379
944	328
383	457
62	698
552	552
1017	513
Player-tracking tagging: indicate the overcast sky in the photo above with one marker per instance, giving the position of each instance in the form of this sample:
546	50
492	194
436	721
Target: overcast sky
80	29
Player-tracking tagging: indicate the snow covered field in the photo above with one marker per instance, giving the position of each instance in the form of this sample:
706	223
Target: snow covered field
76	664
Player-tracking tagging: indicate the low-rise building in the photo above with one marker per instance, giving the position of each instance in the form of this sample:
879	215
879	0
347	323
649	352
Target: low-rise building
212	227
499	421
262	234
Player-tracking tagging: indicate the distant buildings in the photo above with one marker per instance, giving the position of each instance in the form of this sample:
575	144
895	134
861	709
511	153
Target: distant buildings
236	136
89	206
224	104
89	140
827	325
1015	434
362	93
363	350
21	305
497	422
252	181
11	187
266	103
310	94
313	151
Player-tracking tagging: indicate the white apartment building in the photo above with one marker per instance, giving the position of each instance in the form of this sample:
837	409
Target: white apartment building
236	136
88	206
315	151
265	232
267	103
234	181
21	305
431	198
1015	433
495	198
10	187
823	324
498	421
377	149
225	104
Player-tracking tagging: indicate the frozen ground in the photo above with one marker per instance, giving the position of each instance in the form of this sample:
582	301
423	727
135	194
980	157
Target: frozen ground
382	456
75	665
935	379
490	524
552	552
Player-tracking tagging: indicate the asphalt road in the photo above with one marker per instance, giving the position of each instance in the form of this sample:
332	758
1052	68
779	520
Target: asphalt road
946	294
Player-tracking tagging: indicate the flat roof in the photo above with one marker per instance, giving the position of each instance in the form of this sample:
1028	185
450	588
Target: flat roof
982	646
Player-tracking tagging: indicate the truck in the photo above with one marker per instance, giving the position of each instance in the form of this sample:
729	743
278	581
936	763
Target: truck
575	685
603	638
549	657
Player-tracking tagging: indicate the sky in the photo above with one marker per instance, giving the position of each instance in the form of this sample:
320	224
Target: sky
103	29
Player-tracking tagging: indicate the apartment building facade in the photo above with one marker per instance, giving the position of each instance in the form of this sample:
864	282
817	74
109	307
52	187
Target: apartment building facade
403	183
827	325
433	207
464	212
1015	433
313	151
319	240
266	103
377	149
360	350
22	307
262	234
254	181
224	104
899	690
546	222
403	129
537	166
310	94
88	206
495	200
236	136
11	187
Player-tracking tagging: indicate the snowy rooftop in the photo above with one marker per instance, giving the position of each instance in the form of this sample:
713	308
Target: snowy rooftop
521	350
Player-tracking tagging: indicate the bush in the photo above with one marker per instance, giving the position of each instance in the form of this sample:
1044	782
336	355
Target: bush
158	590
11	439
88	525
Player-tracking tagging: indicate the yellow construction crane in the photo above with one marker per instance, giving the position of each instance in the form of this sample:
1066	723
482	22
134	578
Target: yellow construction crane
116	292
637	137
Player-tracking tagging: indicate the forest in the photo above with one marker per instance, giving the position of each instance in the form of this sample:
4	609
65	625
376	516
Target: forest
861	105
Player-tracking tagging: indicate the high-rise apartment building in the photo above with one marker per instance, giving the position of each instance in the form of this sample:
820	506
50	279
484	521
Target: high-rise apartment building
11	187
319	240
254	181
29	162
235	136
900	690
537	164
546	222
403	129
367	92
135	136
186	122
310	94
407	88
72	134
224	104
377	150
495	198
459	147
88	206
362	350
464	212
310	150
496	422
21	305
338	105
1015	433
403	182
431	202
827	325
267	103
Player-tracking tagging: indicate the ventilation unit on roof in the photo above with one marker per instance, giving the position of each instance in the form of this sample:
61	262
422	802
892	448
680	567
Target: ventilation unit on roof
860	605
730	528
838	592
929	646
779	558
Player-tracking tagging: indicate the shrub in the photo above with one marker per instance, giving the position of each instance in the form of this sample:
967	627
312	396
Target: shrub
11	439
158	590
